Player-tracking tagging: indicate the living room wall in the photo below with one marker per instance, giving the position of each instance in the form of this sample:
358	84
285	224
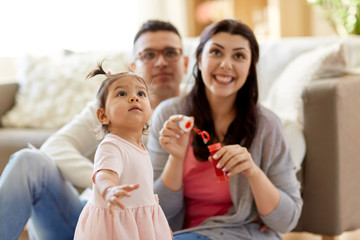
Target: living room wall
89	25
268	18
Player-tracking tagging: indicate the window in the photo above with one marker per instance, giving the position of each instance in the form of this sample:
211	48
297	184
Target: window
37	26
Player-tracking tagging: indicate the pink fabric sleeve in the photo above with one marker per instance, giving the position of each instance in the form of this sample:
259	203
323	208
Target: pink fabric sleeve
108	156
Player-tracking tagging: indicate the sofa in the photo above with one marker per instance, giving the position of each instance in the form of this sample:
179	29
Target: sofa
13	139
311	83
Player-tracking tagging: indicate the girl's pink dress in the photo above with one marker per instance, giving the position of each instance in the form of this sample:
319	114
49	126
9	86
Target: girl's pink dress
143	217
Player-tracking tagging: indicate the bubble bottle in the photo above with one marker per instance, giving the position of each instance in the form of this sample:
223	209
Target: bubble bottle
221	175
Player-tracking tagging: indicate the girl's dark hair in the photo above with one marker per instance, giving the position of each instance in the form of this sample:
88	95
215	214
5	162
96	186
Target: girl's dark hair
242	129
103	90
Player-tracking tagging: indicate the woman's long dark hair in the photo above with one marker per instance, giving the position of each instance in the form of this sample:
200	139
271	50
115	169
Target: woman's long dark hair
242	129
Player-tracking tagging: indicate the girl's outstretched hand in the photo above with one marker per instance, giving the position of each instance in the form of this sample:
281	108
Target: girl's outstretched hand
114	194
235	159
174	140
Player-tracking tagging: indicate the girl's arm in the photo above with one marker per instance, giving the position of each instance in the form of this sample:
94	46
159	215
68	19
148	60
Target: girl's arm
106	184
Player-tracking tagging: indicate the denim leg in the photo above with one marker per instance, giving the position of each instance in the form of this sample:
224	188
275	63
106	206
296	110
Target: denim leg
32	187
190	236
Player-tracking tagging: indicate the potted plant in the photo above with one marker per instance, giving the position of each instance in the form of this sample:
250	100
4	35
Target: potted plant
344	15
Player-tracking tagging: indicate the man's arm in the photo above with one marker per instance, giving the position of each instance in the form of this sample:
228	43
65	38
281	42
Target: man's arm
72	144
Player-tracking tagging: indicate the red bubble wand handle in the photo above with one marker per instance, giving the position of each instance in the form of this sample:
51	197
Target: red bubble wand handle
204	135
187	123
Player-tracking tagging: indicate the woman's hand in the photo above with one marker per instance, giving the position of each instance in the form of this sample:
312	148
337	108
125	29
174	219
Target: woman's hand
114	194
235	159
174	140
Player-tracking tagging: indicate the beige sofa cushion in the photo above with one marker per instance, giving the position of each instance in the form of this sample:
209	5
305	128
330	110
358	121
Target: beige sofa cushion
284	96
53	88
13	139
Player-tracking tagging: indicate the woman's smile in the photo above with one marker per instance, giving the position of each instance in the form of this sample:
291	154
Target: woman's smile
221	78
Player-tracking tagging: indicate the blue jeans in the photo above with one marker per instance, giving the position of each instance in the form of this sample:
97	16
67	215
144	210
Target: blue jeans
190	236
31	187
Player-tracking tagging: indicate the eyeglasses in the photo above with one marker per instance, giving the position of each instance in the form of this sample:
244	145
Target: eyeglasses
169	54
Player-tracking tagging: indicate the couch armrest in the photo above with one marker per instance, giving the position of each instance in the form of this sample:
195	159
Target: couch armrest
7	96
331	167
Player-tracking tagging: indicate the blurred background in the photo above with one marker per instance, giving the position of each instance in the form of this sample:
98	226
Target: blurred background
61	28
43	26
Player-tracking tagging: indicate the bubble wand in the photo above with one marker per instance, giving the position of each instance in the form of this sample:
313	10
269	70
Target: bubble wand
186	124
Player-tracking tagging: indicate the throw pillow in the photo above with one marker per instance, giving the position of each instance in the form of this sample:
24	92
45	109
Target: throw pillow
53	88
276	54
284	97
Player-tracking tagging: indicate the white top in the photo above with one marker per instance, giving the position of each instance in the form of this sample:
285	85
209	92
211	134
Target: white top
69	146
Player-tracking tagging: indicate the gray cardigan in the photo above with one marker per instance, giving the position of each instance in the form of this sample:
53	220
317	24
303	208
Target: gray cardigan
271	153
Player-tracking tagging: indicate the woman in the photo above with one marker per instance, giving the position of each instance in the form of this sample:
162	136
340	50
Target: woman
262	198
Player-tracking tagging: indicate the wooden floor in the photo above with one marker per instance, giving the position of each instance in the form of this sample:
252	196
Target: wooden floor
23	236
355	235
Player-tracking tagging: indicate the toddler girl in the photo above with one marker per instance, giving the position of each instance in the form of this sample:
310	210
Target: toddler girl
122	205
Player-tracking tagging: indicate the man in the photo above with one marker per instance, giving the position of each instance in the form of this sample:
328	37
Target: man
158	57
37	185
